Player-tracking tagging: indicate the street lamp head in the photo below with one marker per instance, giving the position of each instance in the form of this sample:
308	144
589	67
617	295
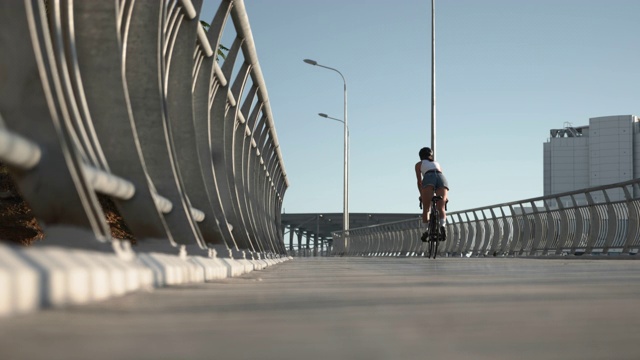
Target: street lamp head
323	115
311	62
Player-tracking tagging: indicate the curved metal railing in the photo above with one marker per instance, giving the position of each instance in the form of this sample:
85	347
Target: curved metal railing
599	220
126	98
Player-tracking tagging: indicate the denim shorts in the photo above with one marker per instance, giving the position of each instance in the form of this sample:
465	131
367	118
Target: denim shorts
435	179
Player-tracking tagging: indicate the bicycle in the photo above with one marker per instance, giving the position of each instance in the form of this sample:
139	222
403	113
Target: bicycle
433	236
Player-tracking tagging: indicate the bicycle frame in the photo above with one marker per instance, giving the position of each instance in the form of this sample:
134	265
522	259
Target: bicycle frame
434	231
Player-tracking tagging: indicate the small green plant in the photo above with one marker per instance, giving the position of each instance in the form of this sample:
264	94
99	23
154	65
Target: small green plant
221	48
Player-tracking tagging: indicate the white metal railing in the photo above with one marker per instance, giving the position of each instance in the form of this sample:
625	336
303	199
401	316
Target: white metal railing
159	126
601	220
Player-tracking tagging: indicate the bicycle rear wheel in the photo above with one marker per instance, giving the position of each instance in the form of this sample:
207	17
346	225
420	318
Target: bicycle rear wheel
434	234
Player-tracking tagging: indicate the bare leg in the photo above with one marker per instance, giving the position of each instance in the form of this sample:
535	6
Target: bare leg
427	194
441	204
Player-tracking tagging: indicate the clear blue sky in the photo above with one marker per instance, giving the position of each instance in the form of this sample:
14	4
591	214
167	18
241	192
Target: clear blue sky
507	71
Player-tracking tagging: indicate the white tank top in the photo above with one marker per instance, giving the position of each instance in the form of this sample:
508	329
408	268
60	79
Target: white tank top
429	165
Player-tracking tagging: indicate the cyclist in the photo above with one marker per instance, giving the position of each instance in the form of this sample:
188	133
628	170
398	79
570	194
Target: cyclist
431	179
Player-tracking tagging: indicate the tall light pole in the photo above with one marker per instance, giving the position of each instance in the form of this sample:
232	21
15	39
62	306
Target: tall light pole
433	77
345	208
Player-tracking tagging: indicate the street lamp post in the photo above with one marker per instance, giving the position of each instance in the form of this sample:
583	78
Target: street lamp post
433	77
345	226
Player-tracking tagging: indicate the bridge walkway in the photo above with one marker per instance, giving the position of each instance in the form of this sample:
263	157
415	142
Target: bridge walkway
357	308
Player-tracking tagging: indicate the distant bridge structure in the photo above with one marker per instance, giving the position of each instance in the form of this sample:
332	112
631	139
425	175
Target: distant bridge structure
310	234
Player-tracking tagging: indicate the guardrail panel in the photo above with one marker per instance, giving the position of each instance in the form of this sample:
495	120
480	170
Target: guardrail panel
552	225
145	66
110	113
129	101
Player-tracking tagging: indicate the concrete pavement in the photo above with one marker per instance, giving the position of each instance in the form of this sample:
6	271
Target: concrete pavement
357	308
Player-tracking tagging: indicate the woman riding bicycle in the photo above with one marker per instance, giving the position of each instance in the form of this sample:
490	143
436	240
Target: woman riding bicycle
430	180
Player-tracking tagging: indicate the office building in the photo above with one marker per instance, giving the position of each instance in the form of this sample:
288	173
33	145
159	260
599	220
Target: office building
604	152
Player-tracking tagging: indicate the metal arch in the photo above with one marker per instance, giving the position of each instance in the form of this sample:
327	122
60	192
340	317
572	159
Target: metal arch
263	171
487	233
515	226
476	240
281	188
581	227
262	195
571	225
233	155
622	214
465	242
565	225
539	237
107	101
495	238
272	171
254	170
463	232
77	124
239	158
594	223
144	77
234	136
243	173
611	224
507	232
525	237
219	141
181	35
204	88
478	234
552	222
633	232
473	241
31	95
453	232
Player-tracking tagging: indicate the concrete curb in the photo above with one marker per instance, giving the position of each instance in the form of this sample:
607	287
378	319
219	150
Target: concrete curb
19	284
50	276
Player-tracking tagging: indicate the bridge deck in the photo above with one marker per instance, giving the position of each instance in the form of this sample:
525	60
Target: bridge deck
358	308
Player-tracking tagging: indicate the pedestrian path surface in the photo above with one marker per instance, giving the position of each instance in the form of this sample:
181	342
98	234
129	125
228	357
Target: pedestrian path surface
357	308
